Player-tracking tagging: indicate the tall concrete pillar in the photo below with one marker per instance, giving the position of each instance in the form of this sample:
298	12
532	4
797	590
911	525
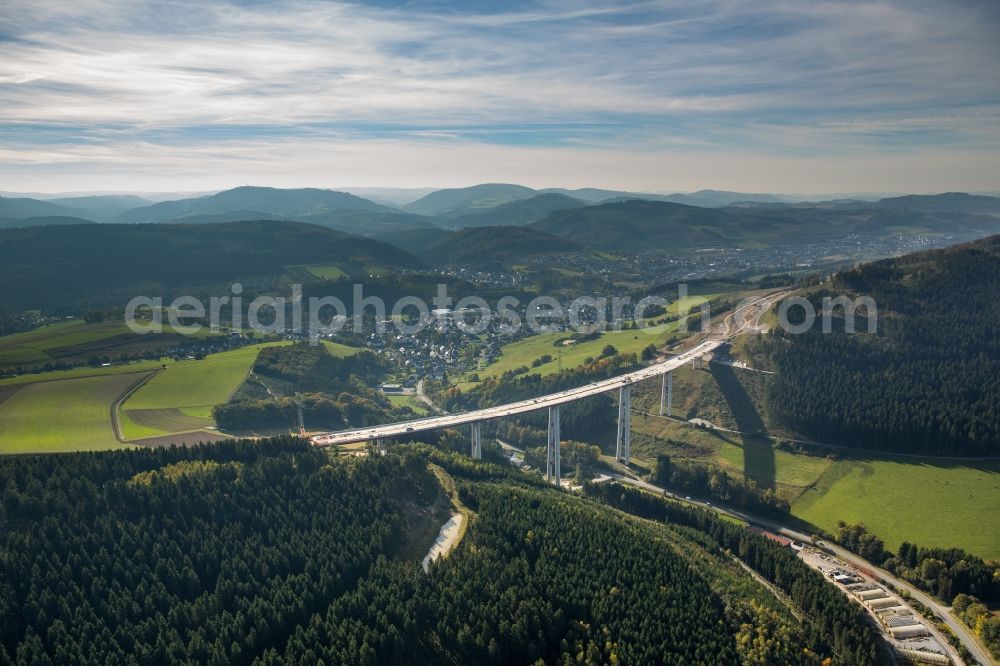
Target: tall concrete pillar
667	394
552	454
623	452
477	440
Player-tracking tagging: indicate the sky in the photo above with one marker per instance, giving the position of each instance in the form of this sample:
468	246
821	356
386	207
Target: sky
805	96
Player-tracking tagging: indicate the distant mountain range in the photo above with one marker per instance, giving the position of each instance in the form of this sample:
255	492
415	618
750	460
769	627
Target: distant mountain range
589	217
262	201
461	201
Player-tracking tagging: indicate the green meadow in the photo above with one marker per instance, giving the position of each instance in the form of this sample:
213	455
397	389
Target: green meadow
197	383
927	501
932	502
181	397
523	352
74	341
326	272
80	372
34	347
62	415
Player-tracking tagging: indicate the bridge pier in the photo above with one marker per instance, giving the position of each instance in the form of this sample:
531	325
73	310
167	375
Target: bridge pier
477	439
623	451
667	394
552	453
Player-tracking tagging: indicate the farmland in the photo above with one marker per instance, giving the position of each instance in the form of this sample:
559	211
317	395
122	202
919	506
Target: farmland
80	372
74	341
62	415
523	352
181	397
931	502
43	344
326	272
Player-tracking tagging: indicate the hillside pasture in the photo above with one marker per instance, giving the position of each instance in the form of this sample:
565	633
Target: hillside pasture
62	415
42	345
325	272
523	352
180	399
927	501
76	341
197	383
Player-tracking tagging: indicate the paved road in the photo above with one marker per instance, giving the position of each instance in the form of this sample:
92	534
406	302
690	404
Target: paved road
960	630
451	420
732	324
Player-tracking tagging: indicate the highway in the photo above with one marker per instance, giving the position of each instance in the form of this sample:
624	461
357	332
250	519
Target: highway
960	630
733	323
404	428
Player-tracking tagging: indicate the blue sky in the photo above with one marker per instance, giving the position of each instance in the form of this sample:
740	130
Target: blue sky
757	95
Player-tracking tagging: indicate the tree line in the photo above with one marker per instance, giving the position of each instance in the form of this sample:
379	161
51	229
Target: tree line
928	381
833	627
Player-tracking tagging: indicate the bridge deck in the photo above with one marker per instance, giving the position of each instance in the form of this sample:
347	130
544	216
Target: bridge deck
511	409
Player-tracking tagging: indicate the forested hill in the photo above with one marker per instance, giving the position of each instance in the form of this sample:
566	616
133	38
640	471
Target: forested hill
492	245
100	264
638	225
272	552
928	381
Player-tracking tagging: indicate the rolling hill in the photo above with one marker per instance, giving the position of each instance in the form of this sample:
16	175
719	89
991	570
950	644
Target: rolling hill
414	240
492	245
15	223
267	200
106	264
459	201
949	201
516	213
635	226
101	208
19	208
719	198
928	381
370	223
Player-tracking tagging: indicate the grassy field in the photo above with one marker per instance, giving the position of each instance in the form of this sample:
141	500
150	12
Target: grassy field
66	415
924	501
326	272
197	383
523	352
931	502
340	350
927	501
33	347
411	401
75	341
80	372
181	398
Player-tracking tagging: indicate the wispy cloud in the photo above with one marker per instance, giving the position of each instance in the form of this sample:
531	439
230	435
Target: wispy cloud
123	87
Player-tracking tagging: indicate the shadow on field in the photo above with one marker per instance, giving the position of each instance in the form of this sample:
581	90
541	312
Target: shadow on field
758	455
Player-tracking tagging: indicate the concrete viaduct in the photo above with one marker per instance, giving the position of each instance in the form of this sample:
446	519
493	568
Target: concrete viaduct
622	383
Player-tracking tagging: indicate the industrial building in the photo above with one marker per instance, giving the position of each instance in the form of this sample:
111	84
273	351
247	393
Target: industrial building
882	602
894	621
909	631
875	593
922	657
